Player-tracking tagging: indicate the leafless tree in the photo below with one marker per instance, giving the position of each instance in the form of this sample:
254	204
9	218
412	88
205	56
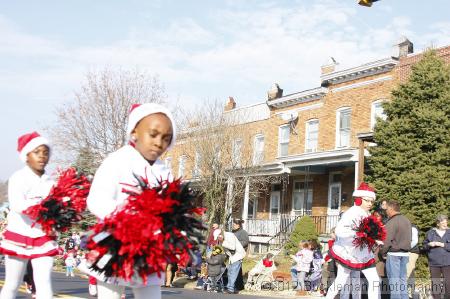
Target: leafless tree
94	123
221	150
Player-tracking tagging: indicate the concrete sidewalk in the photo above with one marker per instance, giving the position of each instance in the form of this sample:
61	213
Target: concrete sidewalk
185	282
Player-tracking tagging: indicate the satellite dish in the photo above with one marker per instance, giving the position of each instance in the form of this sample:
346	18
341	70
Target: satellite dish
289	115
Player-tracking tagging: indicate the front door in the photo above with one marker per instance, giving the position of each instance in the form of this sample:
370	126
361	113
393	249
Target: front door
334	205
334	199
275	197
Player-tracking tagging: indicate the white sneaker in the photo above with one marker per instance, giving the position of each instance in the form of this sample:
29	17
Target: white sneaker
92	290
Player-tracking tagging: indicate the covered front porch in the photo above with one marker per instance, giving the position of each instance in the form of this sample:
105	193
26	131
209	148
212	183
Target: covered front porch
315	184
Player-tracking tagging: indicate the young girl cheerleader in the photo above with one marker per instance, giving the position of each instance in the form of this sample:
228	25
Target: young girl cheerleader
151	130
23	240
347	255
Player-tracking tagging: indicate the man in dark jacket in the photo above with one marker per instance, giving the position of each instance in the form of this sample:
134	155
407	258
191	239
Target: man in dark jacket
243	238
396	247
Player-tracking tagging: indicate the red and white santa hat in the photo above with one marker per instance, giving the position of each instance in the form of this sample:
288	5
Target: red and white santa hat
28	142
139	111
364	190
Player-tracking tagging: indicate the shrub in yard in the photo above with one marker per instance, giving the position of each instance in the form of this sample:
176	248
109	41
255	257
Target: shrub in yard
304	230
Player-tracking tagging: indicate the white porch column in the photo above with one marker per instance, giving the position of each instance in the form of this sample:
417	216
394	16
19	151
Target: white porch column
246	200
229	197
356	175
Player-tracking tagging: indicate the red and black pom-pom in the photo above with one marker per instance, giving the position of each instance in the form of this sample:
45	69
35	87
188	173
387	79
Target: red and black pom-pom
65	203
157	226
368	231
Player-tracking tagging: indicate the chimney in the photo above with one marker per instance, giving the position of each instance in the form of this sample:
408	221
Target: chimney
329	66
403	48
230	105
275	92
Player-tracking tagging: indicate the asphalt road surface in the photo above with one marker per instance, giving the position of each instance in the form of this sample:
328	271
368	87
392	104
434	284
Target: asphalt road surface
77	287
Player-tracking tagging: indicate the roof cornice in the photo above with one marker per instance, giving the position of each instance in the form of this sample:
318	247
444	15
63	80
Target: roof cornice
365	70
299	97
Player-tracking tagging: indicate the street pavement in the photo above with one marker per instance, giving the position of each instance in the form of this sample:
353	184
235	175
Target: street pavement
77	287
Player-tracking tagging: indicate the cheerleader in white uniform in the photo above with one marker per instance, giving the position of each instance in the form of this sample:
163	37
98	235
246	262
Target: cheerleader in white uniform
23	240
349	257
152	132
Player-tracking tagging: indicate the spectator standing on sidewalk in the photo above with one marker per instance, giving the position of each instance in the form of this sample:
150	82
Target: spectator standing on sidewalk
216	266
437	245
413	256
242	235
396	247
236	254
70	264
302	265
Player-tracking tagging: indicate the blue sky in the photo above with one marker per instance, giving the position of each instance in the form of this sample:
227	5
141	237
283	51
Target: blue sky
199	49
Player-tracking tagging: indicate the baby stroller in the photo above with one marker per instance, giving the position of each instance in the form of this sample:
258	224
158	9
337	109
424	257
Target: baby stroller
207	286
261	281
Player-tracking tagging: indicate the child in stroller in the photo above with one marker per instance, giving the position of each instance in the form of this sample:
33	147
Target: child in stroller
216	268
261	274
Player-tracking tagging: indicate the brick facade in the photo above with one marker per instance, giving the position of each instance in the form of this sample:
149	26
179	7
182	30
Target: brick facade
356	89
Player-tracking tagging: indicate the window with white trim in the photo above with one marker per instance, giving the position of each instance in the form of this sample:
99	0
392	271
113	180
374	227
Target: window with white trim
258	150
181	165
302	196
377	111
275	197
252	207
236	157
312	135
283	140
343	127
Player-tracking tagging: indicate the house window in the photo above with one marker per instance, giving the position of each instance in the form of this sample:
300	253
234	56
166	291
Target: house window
168	162
377	111
258	150
275	204
302	196
252	206
275	196
283	140
196	168
236	158
312	135
181	166
343	127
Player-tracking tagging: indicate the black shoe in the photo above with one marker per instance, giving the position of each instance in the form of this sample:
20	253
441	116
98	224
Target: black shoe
226	291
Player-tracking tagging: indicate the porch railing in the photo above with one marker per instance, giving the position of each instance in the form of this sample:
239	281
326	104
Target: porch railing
284	224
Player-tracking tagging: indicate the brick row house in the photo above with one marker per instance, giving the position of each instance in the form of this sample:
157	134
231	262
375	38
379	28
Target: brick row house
314	141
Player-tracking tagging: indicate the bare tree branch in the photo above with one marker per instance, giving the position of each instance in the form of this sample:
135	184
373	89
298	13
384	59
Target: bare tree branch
220	148
94	123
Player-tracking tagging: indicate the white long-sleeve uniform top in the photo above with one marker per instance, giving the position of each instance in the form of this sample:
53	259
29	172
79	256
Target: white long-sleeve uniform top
344	251
23	237
115	174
